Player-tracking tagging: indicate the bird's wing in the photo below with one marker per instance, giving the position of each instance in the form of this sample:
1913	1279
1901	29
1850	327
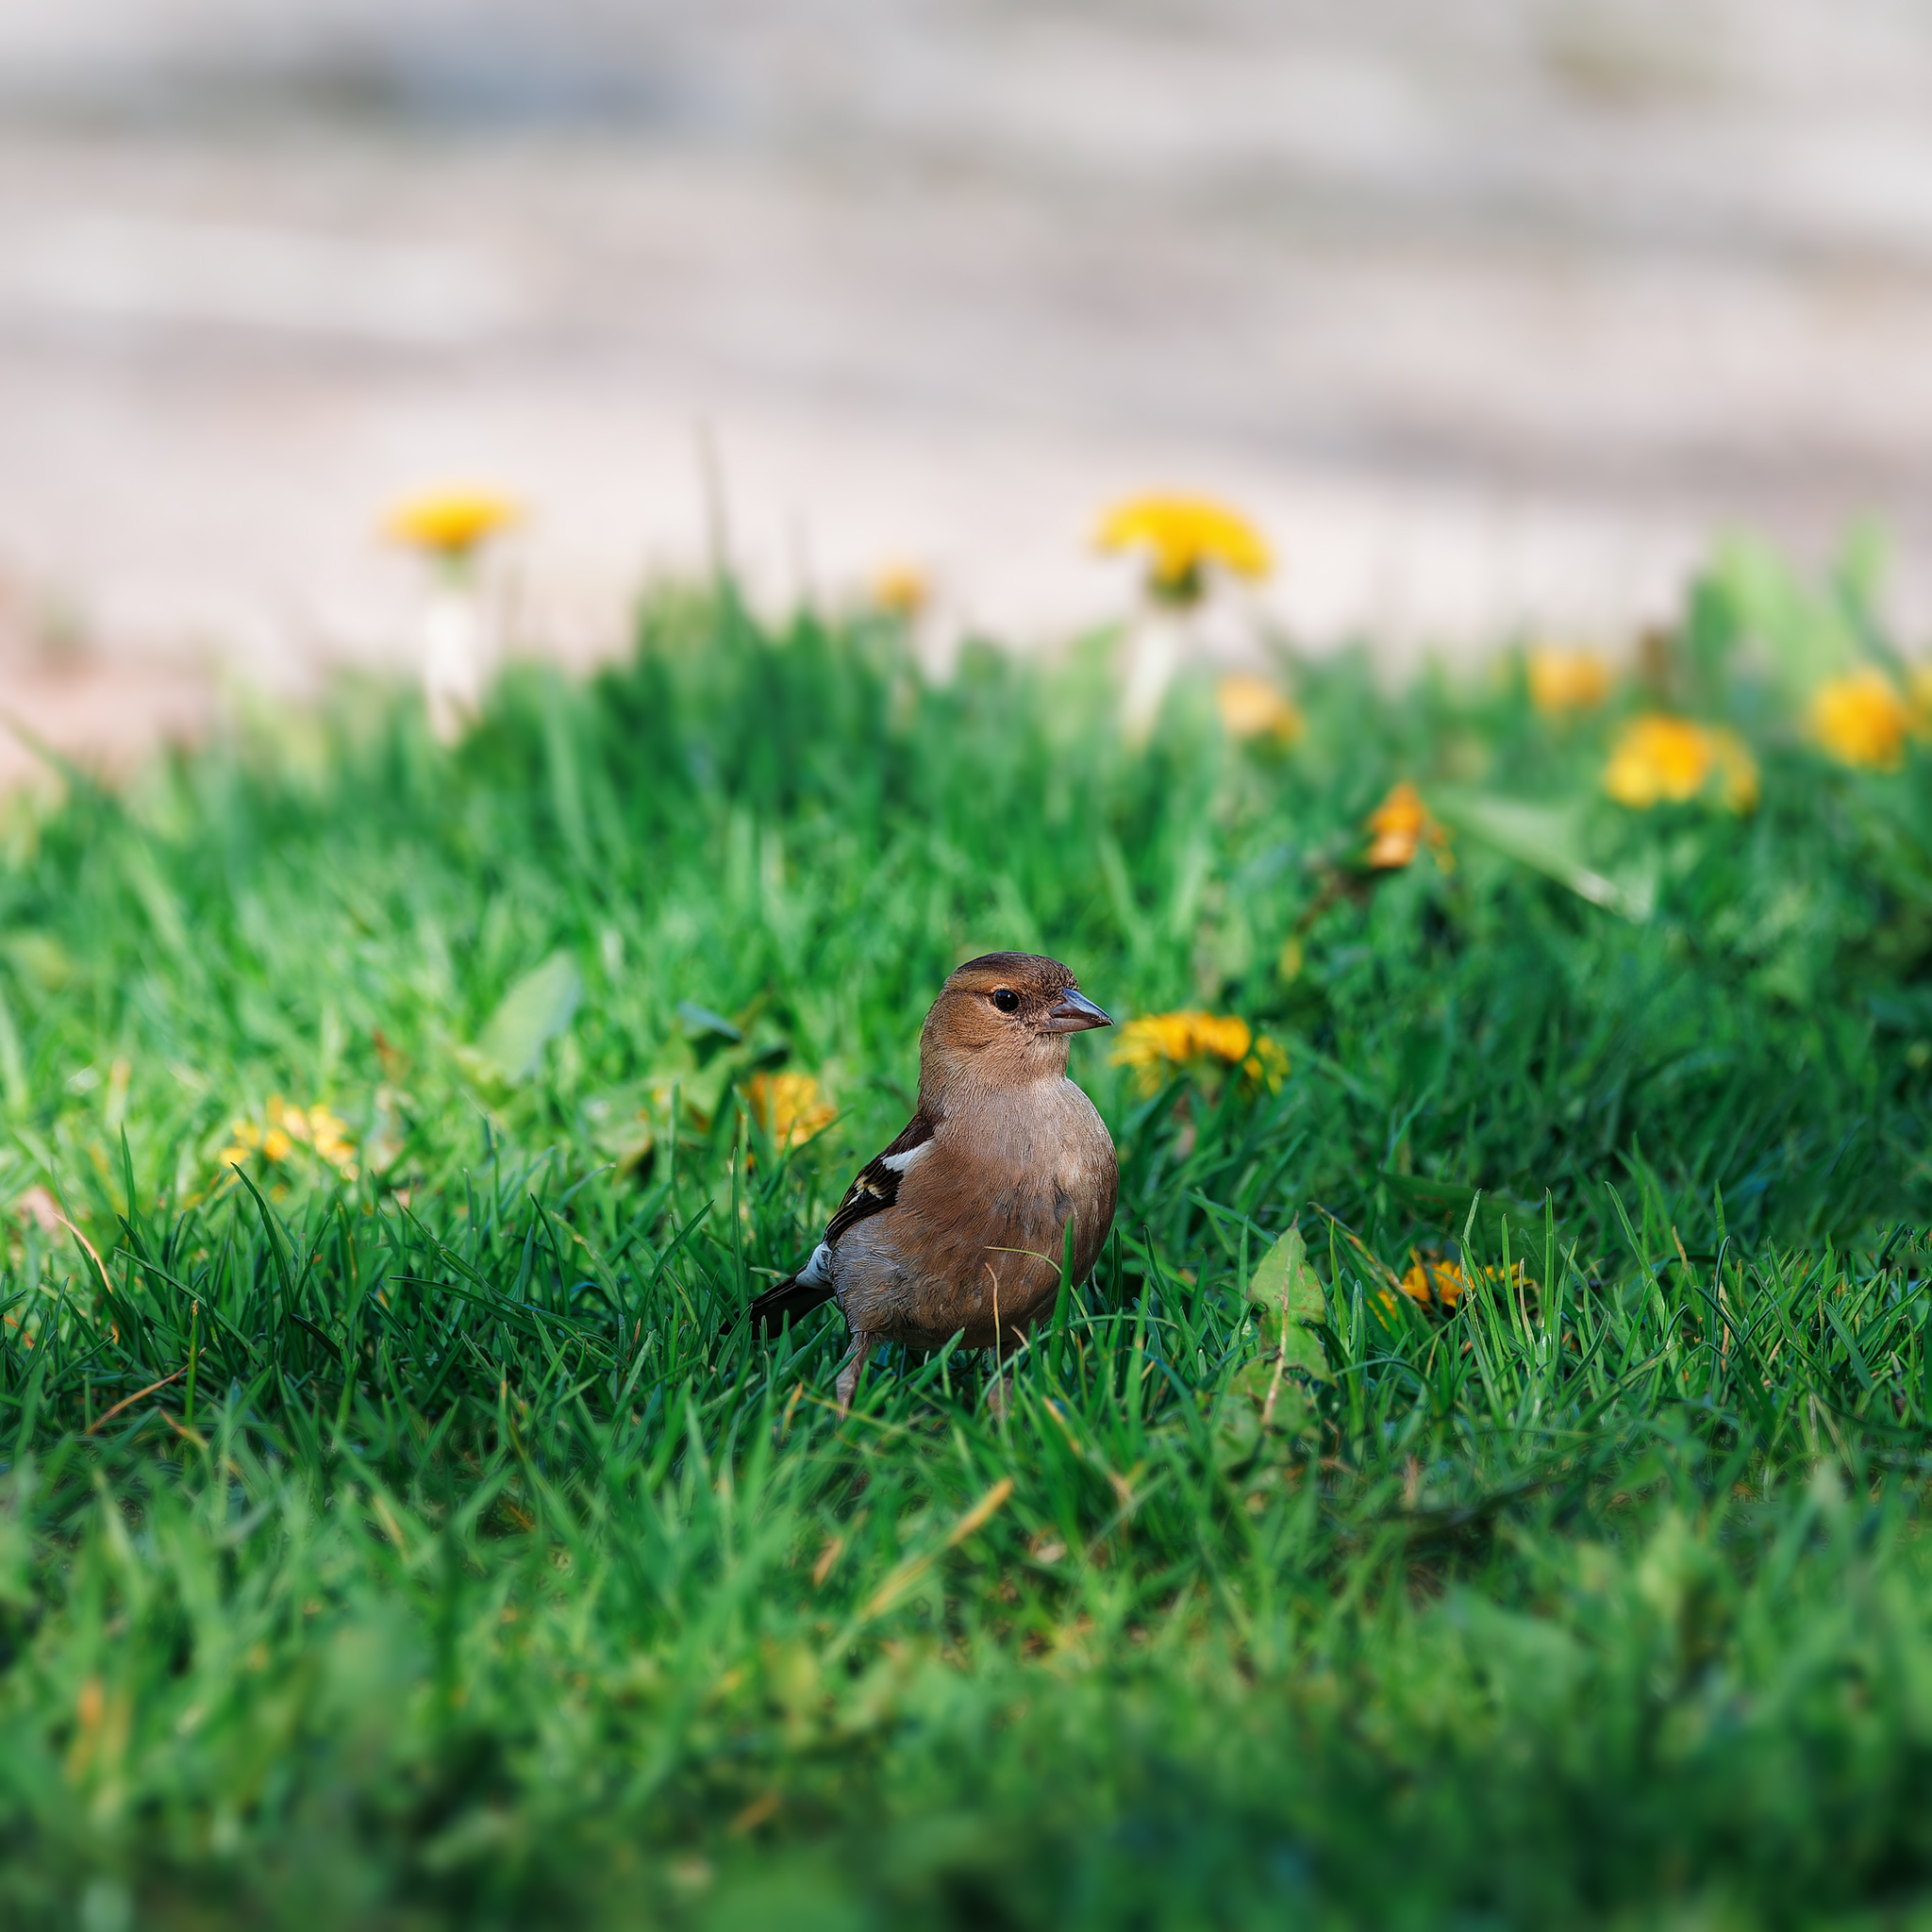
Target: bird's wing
878	1186
875	1190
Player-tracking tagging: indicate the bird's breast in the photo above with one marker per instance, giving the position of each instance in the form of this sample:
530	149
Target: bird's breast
979	1226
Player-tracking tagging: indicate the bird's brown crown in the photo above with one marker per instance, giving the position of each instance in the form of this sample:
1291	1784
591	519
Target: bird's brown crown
1036	979
1001	1018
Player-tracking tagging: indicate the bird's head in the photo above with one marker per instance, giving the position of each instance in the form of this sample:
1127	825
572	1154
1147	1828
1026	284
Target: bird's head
1002	1019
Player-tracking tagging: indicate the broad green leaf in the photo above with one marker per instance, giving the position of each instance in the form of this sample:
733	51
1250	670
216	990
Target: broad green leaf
1234	1427
534	1011
1284	1288
1280	1403
1261	1400
1550	837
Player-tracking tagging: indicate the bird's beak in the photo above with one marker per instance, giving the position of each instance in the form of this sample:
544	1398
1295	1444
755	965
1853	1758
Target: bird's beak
1073	1013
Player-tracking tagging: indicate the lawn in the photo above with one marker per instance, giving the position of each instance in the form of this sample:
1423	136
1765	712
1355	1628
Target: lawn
1482	1483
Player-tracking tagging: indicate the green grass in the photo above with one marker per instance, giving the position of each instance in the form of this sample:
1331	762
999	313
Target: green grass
429	1547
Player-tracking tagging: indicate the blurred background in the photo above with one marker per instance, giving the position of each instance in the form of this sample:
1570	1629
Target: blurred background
1492	314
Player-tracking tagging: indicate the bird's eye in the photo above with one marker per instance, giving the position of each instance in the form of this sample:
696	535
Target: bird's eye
1007	1000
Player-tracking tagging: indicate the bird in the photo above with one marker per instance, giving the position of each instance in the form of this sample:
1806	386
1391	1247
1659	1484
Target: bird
958	1227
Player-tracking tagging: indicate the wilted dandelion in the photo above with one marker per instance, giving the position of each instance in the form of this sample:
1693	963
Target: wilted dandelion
1660	760
1402	825
790	1107
282	1129
1567	681
1252	708
1161	1044
1862	720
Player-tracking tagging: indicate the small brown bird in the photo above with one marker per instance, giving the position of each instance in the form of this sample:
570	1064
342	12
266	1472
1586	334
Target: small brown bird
958	1227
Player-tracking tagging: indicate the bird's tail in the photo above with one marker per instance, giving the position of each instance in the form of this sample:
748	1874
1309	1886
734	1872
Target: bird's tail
793	1299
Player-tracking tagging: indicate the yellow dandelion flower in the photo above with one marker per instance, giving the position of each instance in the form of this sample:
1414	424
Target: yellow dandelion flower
1182	534
1159	1044
328	1134
1267	1066
1155	1041
901	590
1222	1037
1252	708
788	1107
1401	826
1435	1283
451	523
1861	719
287	1127
1567	681
1659	759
